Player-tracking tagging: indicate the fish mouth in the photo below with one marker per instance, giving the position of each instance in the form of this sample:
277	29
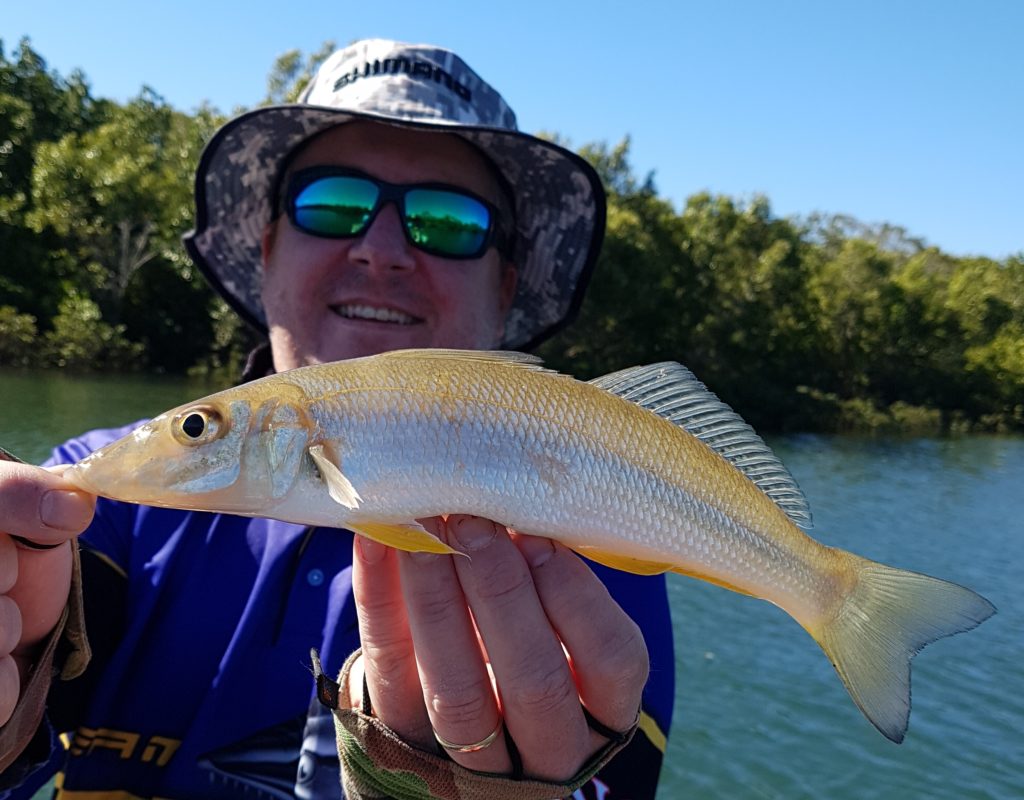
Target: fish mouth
78	476
124	489
364	312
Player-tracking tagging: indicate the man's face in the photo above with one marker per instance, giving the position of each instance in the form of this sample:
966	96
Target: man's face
330	299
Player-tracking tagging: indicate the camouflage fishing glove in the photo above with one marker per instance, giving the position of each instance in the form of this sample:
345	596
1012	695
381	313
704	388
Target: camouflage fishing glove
376	764
67	643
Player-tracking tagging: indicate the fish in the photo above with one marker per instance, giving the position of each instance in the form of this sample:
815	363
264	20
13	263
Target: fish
643	470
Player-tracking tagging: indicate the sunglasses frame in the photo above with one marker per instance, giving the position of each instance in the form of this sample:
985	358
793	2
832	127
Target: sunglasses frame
387	192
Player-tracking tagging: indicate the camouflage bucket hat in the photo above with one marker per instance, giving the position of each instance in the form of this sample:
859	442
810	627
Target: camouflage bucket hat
559	201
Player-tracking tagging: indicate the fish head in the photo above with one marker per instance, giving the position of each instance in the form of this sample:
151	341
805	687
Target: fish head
234	451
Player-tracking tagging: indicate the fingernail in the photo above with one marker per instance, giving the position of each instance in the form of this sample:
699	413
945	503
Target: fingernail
64	510
473	533
372	552
535	549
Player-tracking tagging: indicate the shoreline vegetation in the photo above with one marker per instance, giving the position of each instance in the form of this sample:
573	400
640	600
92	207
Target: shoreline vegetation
820	324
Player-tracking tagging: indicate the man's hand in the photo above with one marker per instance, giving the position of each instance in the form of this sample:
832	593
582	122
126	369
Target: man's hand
521	635
37	505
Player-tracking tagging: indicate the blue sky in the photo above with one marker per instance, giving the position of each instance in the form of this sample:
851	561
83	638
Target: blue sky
906	111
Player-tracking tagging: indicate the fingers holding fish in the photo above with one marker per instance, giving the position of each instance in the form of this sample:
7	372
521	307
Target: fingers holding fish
34	587
10	630
389	660
462	648
10	625
606	647
44	580
8	564
35	574
540	701
34	583
457	689
39	506
10	688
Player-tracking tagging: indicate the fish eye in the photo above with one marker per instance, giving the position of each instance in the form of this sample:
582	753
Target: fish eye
193	425
198	425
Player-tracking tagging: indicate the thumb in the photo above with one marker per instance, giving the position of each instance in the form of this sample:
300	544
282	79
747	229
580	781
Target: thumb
40	506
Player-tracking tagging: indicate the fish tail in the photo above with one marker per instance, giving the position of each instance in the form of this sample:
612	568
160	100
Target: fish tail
887	617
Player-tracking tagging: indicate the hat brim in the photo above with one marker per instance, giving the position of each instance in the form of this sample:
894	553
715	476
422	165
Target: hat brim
560	210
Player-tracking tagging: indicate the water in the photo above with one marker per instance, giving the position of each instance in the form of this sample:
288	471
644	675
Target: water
760	712
41	409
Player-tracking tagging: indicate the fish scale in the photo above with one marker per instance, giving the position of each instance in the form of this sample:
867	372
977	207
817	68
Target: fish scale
644	470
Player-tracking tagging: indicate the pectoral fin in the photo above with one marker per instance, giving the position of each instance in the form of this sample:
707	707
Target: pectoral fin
338	486
624	563
410	536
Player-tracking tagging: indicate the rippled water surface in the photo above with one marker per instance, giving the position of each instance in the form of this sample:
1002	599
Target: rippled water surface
760	712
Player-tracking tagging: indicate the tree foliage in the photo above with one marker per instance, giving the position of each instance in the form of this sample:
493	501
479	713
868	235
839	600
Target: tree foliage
37	106
80	338
17	337
822	323
292	71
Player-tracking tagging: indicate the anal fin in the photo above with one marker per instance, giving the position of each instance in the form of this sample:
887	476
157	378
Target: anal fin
701	577
625	563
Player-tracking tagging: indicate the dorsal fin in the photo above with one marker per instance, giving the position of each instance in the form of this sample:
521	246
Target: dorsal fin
671	391
510	357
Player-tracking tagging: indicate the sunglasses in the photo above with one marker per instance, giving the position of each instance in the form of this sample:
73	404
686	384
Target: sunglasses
339	203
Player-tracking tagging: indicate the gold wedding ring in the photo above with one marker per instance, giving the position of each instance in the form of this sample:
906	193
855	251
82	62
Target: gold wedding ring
487	741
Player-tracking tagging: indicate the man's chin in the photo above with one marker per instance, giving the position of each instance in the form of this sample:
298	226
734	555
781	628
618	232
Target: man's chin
358	339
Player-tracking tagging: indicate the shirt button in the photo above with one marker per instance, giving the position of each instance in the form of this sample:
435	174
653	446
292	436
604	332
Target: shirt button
315	577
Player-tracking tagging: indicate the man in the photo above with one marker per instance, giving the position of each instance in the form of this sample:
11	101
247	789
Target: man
395	206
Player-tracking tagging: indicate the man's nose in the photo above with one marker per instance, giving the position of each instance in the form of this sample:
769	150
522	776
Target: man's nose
383	244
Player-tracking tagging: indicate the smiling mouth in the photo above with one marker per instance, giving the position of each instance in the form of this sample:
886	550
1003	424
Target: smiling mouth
374	314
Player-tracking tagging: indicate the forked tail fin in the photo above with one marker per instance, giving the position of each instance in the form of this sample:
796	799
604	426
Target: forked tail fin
885	620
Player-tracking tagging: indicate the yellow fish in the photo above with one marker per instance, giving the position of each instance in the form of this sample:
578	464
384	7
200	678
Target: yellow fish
644	470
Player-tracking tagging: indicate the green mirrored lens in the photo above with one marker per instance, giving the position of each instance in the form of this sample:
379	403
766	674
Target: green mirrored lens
445	222
335	206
